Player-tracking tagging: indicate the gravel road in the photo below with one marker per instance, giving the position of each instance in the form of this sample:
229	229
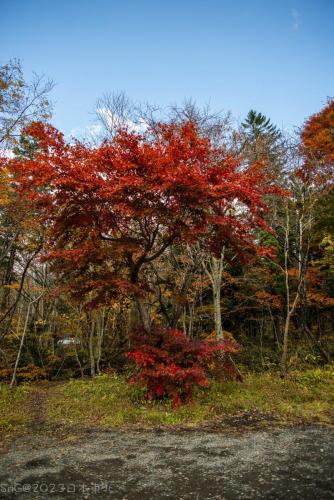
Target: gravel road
294	463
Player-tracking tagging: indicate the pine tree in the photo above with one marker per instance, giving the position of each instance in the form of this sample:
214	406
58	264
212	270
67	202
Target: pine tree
257	125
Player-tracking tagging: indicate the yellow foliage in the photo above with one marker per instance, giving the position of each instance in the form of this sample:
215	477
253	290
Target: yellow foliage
5	188
12	286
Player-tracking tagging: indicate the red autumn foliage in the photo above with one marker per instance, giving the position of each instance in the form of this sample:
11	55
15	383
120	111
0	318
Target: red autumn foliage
113	209
317	139
266	251
171	365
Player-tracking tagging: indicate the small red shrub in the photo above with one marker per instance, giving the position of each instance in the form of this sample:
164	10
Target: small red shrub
170	364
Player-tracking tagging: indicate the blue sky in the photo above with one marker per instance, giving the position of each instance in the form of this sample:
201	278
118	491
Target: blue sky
274	56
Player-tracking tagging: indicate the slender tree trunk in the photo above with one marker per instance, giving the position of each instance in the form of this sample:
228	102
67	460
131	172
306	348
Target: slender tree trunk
214	269
100	340
22	340
184	325
191	319
78	361
143	314
91	348
21	346
217	313
290	308
7	279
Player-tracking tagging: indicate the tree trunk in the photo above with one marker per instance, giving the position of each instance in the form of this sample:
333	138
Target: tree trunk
217	313
22	339
100	340
21	346
91	349
143	314
284	358
78	361
290	309
214	269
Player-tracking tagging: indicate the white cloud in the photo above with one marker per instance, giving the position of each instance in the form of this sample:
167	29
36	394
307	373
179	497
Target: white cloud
96	131
92	131
296	19
114	121
6	153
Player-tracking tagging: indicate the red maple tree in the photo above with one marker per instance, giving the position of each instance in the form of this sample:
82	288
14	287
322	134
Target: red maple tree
111	210
171	365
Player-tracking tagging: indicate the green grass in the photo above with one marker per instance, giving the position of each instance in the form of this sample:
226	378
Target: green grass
13	411
109	401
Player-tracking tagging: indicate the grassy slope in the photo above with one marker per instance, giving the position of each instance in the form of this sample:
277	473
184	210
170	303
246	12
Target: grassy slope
108	401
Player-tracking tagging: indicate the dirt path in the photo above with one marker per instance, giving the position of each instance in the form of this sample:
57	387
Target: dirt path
37	404
295	463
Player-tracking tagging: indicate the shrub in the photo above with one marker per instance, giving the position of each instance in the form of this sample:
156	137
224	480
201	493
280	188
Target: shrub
29	372
169	364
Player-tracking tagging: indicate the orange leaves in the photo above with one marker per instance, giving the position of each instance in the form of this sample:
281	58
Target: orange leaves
46	135
12	286
293	272
264	297
318	145
319	299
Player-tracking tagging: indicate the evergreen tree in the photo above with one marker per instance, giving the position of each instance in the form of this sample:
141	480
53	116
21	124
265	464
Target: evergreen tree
257	125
